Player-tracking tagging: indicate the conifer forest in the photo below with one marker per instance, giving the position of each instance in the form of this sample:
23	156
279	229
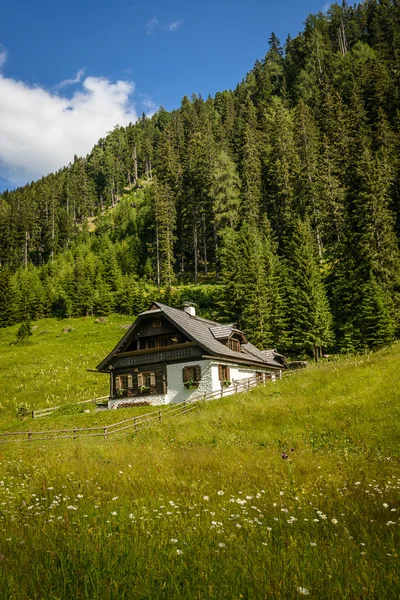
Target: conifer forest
275	205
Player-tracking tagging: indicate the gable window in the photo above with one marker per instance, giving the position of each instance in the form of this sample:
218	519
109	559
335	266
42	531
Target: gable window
157	322
160	342
224	373
234	345
191	374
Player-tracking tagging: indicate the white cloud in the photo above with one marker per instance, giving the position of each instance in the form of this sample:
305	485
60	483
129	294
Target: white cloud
149	105
152	25
41	131
174	25
3	56
76	79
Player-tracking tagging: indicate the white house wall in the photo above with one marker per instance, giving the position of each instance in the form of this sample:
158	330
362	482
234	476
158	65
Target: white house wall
236	374
177	392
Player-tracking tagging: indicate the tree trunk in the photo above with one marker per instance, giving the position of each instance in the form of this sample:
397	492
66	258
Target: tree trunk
158	257
205	244
26	249
134	157
216	251
195	247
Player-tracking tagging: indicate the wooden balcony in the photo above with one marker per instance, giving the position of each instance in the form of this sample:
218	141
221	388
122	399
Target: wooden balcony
154	355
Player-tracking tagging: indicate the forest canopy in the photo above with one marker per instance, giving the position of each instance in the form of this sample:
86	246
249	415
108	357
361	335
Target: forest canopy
275	205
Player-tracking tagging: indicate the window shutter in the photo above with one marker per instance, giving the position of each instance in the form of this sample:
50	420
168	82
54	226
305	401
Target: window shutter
228	373
139	379
197	372
152	379
220	373
185	373
130	386
118	382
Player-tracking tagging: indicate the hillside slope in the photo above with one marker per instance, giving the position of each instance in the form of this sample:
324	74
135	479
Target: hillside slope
288	490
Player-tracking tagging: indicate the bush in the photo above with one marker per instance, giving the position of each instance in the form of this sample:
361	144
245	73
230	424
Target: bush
23	411
24	331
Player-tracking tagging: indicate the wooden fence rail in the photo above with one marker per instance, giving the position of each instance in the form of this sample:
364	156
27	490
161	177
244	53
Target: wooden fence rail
136	423
43	412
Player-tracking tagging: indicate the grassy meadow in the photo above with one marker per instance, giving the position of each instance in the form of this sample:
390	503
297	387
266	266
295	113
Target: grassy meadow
290	490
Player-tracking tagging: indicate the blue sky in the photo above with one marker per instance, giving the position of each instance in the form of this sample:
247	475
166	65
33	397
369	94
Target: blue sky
71	71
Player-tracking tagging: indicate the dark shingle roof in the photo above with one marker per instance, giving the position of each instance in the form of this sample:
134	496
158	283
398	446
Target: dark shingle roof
206	334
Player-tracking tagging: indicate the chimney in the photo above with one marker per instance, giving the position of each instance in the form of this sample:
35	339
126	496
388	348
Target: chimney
189	308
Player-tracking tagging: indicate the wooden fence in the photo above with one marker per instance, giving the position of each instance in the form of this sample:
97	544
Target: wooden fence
44	412
134	423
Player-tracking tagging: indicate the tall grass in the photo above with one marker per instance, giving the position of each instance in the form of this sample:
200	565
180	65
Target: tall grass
208	506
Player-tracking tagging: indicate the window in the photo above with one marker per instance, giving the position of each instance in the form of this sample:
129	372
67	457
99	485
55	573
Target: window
157	322
160	342
146	381
191	374
234	345
123	382
224	373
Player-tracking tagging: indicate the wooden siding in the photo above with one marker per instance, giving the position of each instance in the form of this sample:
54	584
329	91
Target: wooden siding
146	330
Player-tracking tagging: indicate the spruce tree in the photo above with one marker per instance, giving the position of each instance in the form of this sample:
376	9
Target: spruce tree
308	311
7	299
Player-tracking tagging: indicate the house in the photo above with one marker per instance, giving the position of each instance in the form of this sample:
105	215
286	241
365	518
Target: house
169	355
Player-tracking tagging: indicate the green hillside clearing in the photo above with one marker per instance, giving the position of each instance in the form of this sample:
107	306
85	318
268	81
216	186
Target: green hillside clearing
204	505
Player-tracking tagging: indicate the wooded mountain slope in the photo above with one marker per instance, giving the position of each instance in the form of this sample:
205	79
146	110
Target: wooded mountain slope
286	191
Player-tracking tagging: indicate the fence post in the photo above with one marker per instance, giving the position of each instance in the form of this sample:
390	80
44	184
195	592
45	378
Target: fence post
33	414
184	406
159	415
134	423
105	433
248	384
74	434
29	436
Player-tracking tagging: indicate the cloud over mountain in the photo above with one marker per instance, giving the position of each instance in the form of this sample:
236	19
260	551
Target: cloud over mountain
40	131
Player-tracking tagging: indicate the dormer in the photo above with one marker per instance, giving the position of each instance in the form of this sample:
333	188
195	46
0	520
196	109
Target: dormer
230	336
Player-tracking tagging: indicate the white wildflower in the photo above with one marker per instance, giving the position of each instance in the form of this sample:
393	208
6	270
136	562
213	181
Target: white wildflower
303	591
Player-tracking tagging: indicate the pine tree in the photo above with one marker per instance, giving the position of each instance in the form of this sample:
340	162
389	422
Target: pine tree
7	299
308	309
163	207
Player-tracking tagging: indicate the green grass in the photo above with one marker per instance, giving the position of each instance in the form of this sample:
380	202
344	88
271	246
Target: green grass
50	369
204	506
